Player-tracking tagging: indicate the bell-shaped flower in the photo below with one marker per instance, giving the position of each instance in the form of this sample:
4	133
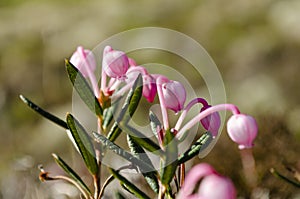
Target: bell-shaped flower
215	186
149	82
212	122
133	72
84	61
174	95
115	63
212	185
242	129
149	88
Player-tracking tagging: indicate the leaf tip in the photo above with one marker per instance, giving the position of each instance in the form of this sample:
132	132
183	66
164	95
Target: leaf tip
54	156
23	98
68	115
67	61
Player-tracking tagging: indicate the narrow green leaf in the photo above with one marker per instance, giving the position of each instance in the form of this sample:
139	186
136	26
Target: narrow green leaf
170	162
83	143
194	150
132	100
141	140
44	113
83	89
121	152
138	151
71	172
128	108
114	132
131	187
279	175
108	116
154	123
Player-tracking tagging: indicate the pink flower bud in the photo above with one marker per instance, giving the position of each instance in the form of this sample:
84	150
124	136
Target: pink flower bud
215	186
83	60
163	79
242	129
212	185
174	95
212	122
133	72
115	63
149	88
149	82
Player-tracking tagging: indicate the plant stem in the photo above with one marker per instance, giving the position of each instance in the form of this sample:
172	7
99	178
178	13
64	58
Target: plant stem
205	113
249	169
107	181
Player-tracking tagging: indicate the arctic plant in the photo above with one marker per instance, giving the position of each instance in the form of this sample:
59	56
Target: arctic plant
113	100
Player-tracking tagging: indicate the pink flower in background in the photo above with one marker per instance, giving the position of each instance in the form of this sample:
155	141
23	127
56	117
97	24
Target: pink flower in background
115	63
212	122
242	129
212	185
174	95
83	60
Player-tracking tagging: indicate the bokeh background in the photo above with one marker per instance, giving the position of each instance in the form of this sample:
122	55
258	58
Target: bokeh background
255	44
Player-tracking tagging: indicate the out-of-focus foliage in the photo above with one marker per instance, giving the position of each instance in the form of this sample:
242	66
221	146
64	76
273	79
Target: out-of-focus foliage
256	45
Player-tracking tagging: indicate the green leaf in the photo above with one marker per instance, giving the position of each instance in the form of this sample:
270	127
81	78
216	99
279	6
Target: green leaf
83	89
194	150
83	143
279	175
128	108
44	113
114	132
71	172
138	151
108	116
131	187
132	100
170	162
121	152
154	123
141	140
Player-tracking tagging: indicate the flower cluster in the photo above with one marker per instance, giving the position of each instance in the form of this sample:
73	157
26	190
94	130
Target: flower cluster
116	66
242	129
122	75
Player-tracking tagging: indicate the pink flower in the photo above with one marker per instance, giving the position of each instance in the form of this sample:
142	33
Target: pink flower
133	72
212	122
174	95
115	63
162	79
83	60
215	186
242	129
149	84
212	185
149	88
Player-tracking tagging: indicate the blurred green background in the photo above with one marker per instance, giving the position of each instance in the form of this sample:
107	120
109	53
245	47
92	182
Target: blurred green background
255	44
